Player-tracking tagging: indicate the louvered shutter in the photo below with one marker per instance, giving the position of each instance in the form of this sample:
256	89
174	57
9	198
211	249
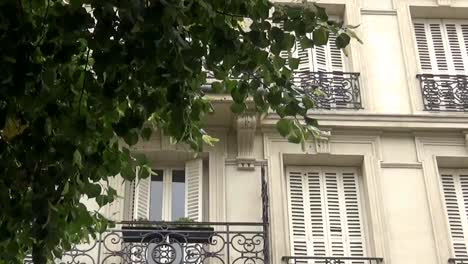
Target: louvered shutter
442	46
455	187
328	217
335	54
301	77
142	199
297	212
334	215
353	220
193	192
328	58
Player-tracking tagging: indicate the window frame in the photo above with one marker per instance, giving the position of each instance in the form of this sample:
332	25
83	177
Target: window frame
445	41
362	204
166	214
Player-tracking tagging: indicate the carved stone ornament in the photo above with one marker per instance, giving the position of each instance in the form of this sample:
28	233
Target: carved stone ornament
322	144
246	126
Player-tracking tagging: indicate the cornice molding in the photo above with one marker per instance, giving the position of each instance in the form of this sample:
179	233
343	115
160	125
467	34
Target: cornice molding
401	165
379	12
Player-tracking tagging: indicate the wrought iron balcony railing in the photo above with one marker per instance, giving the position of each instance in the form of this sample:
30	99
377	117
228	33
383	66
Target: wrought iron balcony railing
458	261
330	90
175	243
444	92
330	260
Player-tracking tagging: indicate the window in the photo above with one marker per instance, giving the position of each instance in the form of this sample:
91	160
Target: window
443	55
455	187
442	45
170	194
167	195
325	212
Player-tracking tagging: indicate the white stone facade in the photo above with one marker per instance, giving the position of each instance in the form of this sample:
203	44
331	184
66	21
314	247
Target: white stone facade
396	146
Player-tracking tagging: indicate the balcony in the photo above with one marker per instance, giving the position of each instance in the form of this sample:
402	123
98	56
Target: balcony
330	260
175	242
458	261
444	92
330	90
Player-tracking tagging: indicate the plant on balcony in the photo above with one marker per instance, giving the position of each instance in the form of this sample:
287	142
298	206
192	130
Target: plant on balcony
79	77
144	231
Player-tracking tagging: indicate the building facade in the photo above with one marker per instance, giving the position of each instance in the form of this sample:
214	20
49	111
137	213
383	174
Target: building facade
387	182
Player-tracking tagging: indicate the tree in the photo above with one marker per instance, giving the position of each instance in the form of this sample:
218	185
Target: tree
77	76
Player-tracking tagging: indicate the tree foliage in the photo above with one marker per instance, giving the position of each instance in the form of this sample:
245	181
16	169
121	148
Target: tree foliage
79	76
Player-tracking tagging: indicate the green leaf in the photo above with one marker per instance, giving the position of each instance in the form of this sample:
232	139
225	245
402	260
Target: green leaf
342	40
131	138
306	43
146	133
294	63
321	12
209	140
354	35
320	36
238	108
217	87
77	159
66	188
308	102
311	121
278	62
284	126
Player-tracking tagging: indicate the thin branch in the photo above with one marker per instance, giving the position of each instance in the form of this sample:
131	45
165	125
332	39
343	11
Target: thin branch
228	14
84	82
43	22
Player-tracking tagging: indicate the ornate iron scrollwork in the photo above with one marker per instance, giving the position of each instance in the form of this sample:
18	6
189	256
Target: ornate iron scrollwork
331	90
174	243
444	92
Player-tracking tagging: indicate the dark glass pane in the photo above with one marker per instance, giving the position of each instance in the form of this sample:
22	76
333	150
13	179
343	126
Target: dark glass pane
156	196
178	194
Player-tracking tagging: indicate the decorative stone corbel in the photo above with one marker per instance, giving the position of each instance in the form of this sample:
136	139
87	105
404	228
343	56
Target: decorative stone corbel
322	144
246	126
444	2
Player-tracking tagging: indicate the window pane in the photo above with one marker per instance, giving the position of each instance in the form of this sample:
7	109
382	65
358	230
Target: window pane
156	198
178	194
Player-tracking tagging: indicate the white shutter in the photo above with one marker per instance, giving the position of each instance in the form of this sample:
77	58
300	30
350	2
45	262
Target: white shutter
317	213
336	55
142	198
455	187
327	220
442	45
320	59
302	76
297	212
193	192
129	200
425	58
329	57
353	220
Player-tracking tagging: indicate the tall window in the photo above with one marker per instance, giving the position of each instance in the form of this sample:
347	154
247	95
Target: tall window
442	45
325	212
167	195
171	193
455	186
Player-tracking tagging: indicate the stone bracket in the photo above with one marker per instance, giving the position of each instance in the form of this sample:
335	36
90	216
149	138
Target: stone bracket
322	144
246	126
